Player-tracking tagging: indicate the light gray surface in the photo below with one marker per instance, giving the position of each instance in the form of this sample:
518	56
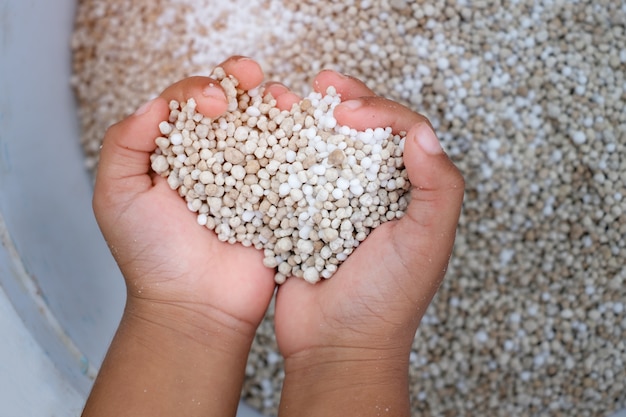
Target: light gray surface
62	282
37	375
61	294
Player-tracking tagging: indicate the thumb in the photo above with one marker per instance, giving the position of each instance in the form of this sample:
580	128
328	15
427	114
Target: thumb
124	164
427	230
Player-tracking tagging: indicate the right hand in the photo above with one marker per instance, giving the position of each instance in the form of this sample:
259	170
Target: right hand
364	318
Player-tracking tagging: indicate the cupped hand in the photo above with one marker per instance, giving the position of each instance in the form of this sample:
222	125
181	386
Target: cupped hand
166	258
377	297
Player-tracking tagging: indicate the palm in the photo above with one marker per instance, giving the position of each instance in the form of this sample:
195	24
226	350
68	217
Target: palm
355	303
382	290
186	262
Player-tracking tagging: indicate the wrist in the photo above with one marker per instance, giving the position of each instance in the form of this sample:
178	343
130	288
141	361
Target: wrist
344	381
190	323
170	359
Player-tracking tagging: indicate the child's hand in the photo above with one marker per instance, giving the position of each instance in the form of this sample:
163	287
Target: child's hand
166	257
346	341
194	303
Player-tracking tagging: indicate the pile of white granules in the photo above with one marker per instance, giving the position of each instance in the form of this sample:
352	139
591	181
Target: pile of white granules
527	97
293	183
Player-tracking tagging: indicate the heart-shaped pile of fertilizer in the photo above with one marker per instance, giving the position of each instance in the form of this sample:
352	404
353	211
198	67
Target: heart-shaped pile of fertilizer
292	183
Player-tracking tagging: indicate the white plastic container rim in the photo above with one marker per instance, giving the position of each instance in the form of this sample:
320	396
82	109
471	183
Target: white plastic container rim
61	293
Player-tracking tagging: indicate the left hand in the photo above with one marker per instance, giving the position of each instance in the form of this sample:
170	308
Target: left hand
165	256
193	302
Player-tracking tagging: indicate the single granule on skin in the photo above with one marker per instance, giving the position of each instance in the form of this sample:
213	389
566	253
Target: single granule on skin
293	183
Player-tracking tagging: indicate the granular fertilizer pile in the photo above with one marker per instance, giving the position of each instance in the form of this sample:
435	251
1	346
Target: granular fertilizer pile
293	183
528	99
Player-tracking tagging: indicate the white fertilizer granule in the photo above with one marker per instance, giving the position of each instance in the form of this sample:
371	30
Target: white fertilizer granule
294	183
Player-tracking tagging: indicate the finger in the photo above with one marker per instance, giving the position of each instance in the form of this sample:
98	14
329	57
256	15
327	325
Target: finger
210	98
428	227
285	98
372	112
247	71
209	95
125	154
347	87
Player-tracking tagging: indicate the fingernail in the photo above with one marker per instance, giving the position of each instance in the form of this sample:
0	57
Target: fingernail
428	140
352	104
145	108
335	72
214	92
276	85
243	58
